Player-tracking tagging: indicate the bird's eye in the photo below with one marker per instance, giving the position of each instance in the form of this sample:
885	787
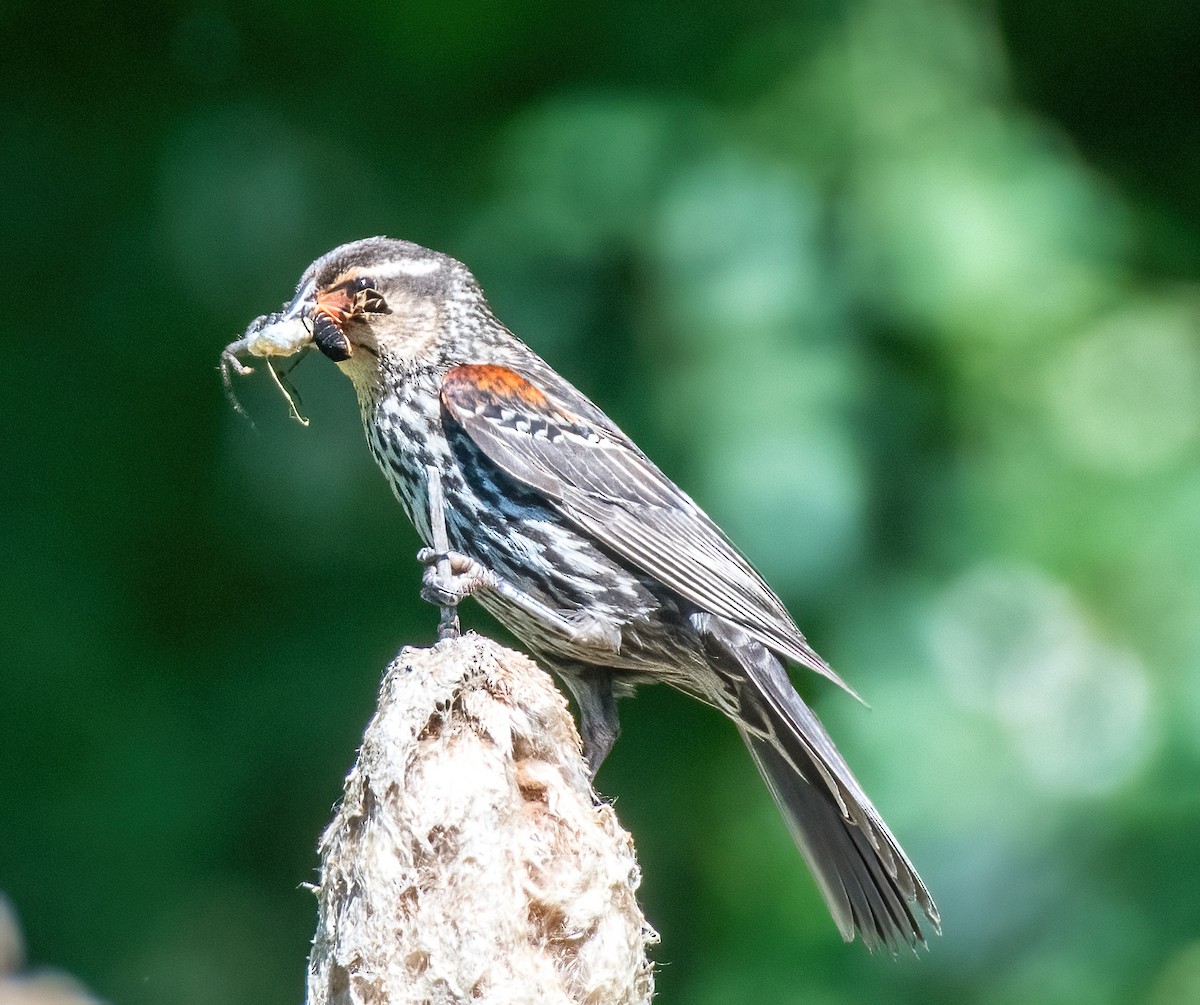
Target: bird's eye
361	283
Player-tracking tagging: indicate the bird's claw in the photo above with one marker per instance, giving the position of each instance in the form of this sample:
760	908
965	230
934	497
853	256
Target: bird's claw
466	577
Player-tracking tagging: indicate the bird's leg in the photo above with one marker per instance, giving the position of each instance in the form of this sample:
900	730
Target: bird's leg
596	699
450	576
441	566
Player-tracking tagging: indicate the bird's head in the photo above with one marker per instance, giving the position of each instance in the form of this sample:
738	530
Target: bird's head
374	307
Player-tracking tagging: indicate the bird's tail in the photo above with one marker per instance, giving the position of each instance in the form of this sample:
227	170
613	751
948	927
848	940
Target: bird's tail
864	875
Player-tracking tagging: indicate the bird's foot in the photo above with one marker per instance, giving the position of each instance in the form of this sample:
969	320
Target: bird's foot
450	577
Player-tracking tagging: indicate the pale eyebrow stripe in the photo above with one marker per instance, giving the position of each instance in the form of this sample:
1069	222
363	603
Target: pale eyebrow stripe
406	267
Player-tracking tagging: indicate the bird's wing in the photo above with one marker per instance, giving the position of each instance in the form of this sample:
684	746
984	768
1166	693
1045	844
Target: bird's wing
561	445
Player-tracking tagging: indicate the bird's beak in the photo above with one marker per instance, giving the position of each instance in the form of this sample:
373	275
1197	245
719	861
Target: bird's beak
302	304
283	333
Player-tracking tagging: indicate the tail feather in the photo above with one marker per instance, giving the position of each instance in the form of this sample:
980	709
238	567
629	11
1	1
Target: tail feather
862	891
866	879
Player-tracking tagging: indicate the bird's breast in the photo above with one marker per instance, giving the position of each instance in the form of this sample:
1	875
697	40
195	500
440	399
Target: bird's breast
507	526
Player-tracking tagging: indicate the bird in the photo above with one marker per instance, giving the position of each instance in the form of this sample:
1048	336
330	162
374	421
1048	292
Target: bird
547	514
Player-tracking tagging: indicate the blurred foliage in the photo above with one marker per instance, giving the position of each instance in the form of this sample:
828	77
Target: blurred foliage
903	291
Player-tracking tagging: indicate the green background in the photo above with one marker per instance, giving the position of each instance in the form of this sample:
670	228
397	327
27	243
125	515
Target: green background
902	291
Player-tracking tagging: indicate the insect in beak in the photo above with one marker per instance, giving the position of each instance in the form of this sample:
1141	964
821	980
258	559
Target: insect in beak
283	333
333	309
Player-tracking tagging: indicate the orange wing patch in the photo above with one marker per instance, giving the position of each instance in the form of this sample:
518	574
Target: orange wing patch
474	386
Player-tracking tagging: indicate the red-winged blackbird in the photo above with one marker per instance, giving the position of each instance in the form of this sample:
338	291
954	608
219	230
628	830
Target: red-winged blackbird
564	530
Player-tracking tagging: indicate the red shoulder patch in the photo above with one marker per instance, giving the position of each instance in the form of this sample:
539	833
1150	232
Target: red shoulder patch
474	385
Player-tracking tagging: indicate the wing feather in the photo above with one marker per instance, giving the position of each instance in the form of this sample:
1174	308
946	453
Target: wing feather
554	440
